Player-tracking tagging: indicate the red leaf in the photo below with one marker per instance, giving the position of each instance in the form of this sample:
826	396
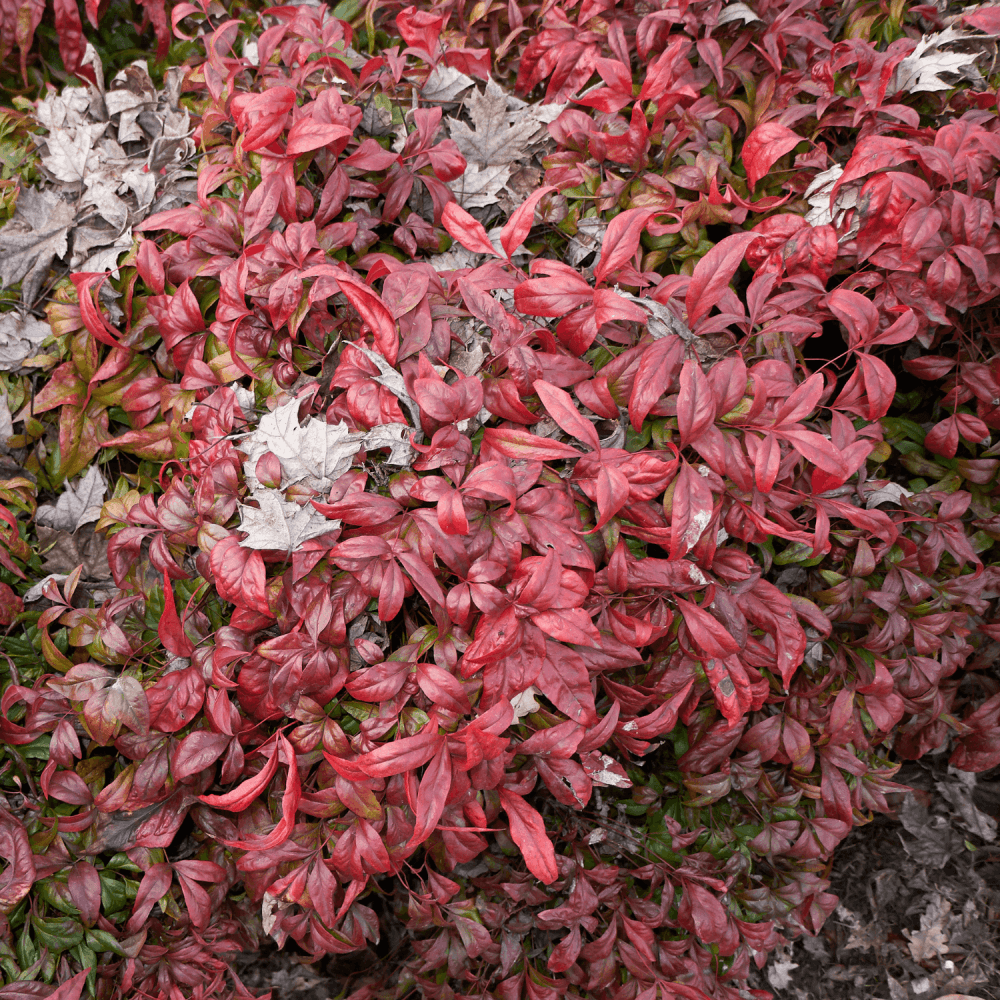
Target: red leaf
71	989
69	30
764	146
515	232
880	385
527	830
402	755
564	680
85	891
802	401
196	752
695	403
306	135
856	312
467	230
707	633
443	688
701	913
154	886
929	366
621	240
87	285
713	273
611	493
289	805
170	630
240	797
691	511
522	445
261	207
817	449
434	788
658	366
563	411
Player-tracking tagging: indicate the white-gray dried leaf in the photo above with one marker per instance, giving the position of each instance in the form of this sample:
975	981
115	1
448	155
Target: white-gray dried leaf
444	84
921	70
394	436
278	525
737	12
479	186
37	234
21	338
314	453
493	141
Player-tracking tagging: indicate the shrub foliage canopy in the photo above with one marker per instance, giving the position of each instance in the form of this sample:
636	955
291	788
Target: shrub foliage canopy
490	552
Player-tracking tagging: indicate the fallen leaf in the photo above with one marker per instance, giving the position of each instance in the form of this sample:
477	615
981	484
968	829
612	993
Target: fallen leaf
35	236
77	505
395	437
931	940
890	493
897	991
587	240
818	196
279	525
493	140
480	186
779	971
524	703
922	69
737	12
314	453
935	841
444	84
959	793
6	421
66	550
21	338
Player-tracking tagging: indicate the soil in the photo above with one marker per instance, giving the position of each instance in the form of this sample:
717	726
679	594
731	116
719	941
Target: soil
919	913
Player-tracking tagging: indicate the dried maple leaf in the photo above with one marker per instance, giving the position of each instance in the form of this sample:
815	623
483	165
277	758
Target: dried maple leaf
66	550
889	493
480	186
931	940
500	133
444	84
77	505
34	237
21	338
922	69
314	453
278	525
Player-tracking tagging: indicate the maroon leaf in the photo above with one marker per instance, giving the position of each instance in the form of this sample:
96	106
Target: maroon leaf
527	830
695	403
19	876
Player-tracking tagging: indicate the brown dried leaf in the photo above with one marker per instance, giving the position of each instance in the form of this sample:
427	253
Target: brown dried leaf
67	550
931	940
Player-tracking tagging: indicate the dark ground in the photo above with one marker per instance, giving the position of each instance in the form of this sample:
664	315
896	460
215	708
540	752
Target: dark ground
919	915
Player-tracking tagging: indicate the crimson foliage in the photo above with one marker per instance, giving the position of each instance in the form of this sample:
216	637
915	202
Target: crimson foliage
593	682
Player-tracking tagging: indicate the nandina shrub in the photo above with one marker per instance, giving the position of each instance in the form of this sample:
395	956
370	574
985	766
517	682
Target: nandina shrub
583	643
